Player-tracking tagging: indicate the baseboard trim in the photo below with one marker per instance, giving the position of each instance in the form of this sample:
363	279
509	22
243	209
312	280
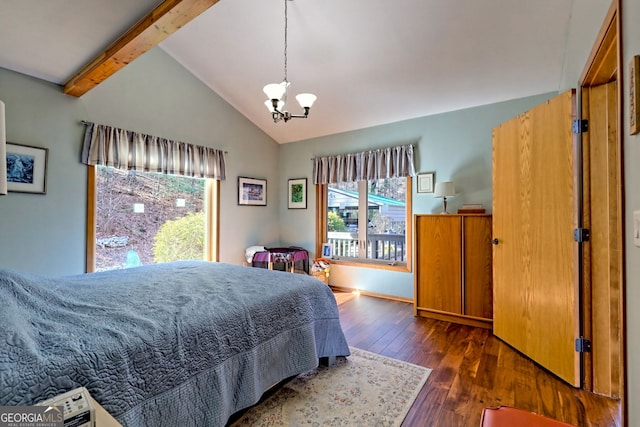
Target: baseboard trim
372	294
478	322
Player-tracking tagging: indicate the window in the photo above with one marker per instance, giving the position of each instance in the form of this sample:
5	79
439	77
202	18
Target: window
135	152
145	218
367	221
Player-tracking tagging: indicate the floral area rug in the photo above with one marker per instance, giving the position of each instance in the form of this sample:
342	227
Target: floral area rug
365	389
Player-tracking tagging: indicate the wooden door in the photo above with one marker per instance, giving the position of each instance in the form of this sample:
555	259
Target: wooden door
536	265
439	258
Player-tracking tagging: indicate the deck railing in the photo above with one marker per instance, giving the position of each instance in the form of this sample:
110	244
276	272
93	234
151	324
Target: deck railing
389	247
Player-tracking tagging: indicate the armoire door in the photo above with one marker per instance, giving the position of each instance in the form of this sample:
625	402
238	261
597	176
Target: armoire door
535	282
440	263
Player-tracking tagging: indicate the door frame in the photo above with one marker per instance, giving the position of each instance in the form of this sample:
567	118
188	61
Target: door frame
604	65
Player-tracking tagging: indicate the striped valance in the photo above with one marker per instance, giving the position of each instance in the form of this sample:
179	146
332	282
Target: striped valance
129	150
390	162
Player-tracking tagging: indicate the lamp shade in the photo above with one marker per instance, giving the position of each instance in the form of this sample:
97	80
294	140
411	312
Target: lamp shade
306	100
444	189
274	90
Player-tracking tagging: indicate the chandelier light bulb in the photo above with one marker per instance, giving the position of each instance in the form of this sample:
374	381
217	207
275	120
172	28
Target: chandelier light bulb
269	104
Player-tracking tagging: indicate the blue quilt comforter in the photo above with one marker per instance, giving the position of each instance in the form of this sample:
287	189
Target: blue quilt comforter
185	343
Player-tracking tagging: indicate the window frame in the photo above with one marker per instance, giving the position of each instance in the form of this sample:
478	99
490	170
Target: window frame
321	233
212	216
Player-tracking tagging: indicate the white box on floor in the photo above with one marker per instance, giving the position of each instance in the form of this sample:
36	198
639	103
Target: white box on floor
81	410
77	407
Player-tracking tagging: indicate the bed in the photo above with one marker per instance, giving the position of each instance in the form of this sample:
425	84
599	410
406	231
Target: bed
183	343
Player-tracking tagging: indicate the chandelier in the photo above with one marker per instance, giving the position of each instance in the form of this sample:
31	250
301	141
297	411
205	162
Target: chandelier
277	92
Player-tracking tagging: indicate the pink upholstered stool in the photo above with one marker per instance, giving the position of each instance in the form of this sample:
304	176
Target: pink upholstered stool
505	416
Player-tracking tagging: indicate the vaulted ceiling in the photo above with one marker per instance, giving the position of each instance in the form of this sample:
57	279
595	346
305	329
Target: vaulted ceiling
369	62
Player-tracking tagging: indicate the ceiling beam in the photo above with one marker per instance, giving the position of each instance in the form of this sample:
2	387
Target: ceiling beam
163	21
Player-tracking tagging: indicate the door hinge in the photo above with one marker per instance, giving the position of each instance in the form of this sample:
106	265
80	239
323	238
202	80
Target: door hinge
581	235
583	345
580	126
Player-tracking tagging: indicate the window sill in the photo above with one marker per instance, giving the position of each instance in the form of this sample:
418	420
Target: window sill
402	267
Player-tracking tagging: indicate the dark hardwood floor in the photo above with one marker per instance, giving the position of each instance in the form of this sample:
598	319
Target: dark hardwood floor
472	369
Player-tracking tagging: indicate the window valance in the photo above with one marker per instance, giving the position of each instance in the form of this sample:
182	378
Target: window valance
390	162
129	150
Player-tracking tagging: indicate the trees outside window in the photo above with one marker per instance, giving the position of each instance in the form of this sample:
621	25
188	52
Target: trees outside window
368	220
146	218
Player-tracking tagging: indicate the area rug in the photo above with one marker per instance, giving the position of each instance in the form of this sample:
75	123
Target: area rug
365	389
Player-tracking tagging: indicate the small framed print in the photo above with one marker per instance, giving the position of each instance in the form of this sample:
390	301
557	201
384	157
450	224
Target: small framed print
297	193
26	168
634	95
327	251
425	182
252	191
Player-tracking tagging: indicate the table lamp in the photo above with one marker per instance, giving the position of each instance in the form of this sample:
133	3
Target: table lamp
444	190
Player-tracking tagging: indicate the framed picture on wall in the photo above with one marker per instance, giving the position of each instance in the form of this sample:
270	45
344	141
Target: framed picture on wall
425	182
252	191
26	168
297	193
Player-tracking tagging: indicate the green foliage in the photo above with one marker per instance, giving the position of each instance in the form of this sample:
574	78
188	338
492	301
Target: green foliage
180	239
297	193
335	223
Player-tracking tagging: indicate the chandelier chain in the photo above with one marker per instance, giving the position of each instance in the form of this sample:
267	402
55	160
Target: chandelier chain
285	39
277	92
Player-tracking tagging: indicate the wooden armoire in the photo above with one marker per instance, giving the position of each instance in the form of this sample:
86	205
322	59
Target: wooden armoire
453	274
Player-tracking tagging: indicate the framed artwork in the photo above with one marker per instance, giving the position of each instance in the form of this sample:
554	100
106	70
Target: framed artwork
425	182
327	252
298	193
252	191
26	168
634	95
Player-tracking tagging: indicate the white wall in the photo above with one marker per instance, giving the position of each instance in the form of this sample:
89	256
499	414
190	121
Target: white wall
631	47
154	95
585	22
44	233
